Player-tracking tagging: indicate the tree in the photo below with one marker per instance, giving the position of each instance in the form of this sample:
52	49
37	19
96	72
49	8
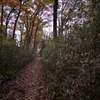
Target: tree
2	12
55	20
8	19
30	23
18	15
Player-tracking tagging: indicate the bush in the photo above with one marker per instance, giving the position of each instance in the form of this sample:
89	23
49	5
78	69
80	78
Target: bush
72	67
12	58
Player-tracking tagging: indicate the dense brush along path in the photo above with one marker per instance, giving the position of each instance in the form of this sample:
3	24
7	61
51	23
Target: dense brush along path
29	84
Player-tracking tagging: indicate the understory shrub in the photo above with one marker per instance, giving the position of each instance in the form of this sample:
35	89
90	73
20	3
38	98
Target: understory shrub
72	67
12	59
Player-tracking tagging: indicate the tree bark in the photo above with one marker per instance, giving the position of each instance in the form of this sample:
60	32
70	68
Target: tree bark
16	24
7	20
21	30
55	20
31	31
1	28
34	45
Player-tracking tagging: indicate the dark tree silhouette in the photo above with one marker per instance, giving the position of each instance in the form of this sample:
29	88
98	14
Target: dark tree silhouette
55	20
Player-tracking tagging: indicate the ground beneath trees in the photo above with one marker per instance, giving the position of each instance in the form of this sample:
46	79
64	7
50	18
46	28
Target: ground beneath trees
28	85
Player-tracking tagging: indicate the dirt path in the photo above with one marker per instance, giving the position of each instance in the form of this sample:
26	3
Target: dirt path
28	85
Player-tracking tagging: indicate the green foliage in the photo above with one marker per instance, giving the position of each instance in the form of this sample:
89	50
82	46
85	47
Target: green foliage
72	66
12	58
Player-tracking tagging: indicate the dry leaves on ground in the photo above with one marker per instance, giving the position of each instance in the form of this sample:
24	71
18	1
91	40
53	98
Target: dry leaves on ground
28	85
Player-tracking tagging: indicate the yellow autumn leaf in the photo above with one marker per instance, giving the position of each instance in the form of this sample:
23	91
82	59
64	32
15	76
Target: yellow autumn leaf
67	14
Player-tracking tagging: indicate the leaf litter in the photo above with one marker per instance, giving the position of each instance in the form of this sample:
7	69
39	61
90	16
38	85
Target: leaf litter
29	84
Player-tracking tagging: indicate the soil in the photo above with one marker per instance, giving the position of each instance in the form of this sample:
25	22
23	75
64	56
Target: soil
29	84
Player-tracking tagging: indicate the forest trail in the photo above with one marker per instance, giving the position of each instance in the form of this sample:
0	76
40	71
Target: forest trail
28	85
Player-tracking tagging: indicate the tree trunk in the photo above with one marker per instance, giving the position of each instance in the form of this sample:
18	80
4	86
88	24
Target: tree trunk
61	22
55	20
21	30
27	35
16	24
34	45
35	14
1	28
7	20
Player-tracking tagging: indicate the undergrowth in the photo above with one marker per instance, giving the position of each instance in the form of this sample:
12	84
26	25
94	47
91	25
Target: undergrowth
12	59
72	67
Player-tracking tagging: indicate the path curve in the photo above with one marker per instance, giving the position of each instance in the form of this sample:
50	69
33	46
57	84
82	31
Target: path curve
28	85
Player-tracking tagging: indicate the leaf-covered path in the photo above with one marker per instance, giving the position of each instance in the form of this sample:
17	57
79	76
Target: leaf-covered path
28	85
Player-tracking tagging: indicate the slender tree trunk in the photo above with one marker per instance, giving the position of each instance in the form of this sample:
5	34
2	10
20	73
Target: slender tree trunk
59	28
16	24
35	14
1	28
61	22
34	45
55	20
34	20
21	37
27	35
32	23
21	30
7	20
26	41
